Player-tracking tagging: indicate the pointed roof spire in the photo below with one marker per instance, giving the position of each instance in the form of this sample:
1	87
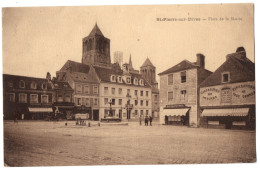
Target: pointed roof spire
95	31
147	63
130	62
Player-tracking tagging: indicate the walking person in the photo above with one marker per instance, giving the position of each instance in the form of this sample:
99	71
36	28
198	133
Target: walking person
140	120
146	120
150	119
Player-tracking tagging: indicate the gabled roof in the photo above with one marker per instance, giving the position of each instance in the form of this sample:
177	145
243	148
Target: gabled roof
95	31
75	67
147	62
241	69
184	65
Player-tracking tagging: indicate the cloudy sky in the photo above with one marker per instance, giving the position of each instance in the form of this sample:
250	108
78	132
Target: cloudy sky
37	40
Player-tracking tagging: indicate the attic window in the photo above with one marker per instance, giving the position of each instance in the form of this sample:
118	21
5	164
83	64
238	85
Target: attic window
141	82
225	77
119	79
22	84
113	78
136	81
128	80
44	86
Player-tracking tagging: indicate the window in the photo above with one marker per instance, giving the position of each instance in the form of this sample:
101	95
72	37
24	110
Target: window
147	103
141	82
95	90
10	84
34	98
67	98
120	91
44	86
44	99
226	95
128	80
22	84
170	96
141	93
183	76
119	101
183	94
78	88
11	97
128	91
105	101
142	102
136	81
33	85
136	92
59	98
155	97
147	93
22	98
87	102
225	77
113	101
142	112
78	101
106	90
113	78
95	102
136	102
86	89
113	90
136	112
119	79
170	79
147	112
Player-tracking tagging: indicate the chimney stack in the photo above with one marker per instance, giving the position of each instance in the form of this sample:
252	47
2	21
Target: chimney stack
201	60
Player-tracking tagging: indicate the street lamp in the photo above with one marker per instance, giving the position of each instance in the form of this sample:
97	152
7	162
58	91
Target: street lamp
110	108
128	105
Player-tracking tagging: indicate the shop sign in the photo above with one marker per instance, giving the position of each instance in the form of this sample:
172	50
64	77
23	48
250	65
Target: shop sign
243	91
210	93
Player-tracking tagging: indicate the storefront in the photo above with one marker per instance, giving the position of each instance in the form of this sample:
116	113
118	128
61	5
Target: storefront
176	116
39	113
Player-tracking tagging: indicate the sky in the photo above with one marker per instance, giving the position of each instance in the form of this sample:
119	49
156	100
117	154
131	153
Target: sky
37	40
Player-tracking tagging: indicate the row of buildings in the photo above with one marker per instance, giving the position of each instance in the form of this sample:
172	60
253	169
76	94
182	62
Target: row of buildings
95	87
194	96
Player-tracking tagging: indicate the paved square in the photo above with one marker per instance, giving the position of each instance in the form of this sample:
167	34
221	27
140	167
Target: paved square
39	143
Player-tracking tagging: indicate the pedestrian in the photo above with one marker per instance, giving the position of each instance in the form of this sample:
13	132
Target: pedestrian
140	120
150	119
146	120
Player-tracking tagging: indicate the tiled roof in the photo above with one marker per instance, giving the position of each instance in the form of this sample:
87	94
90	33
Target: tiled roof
147	63
184	65
15	79
240	69
83	77
75	67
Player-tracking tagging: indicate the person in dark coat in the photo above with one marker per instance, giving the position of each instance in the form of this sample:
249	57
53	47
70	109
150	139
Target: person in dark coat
150	119
146	120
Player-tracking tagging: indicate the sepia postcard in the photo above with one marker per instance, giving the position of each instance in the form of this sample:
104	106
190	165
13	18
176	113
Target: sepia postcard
128	85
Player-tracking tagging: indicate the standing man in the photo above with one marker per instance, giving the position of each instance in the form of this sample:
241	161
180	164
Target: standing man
140	120
146	120
150	119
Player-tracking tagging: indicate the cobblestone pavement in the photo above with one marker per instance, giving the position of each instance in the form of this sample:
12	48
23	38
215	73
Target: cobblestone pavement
39	143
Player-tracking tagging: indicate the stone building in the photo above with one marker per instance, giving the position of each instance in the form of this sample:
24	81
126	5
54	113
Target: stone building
179	92
148	71
227	97
27	97
98	83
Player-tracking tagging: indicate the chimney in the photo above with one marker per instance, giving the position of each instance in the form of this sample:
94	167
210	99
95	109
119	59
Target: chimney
201	60
241	53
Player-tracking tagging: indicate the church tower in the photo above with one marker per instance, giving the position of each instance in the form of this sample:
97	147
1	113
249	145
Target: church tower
96	48
148	71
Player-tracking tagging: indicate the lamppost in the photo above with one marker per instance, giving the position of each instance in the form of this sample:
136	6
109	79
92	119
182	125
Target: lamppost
110	108
128	105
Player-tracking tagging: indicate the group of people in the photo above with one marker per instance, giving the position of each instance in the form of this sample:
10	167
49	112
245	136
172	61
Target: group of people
147	119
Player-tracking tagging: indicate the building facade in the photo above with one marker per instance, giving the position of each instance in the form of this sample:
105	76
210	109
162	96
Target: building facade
228	95
179	92
27	97
148	71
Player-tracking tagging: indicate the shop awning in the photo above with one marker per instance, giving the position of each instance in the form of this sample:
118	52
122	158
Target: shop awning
37	109
175	112
226	112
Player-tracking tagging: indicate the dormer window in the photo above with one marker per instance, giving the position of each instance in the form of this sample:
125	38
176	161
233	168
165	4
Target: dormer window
33	85
113	78
136	81
22	84
119	79
141	82
128	80
44	86
225	77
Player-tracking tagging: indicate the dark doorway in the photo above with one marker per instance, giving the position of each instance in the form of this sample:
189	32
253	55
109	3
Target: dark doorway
120	114
96	115
129	114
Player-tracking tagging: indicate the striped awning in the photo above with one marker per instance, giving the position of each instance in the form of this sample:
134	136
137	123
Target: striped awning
37	109
175	112
226	112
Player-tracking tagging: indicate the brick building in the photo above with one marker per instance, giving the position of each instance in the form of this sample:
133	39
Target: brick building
179	92
227	97
27	97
